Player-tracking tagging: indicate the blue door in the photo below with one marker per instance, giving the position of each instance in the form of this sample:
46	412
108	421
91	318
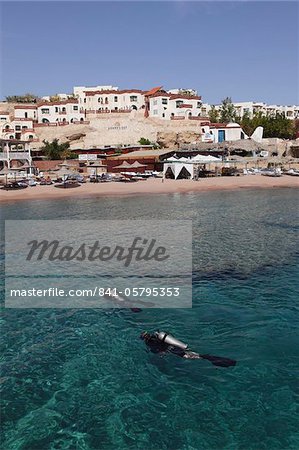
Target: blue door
221	135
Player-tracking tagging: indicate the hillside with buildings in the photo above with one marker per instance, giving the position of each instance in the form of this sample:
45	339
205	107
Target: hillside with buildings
93	117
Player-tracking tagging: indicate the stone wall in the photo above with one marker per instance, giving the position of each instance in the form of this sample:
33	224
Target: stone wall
122	129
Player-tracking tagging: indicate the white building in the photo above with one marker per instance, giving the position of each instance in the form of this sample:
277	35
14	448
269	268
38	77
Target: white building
19	127
219	132
157	103
4	117
79	90
165	105
67	111
252	108
25	112
28	117
15	153
108	100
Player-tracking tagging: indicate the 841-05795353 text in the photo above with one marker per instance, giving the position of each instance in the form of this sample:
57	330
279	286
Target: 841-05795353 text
98	292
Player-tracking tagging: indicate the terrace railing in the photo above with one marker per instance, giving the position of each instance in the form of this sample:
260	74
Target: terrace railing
14	155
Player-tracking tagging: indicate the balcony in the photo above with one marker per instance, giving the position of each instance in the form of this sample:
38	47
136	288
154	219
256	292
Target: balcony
26	119
14	155
185	105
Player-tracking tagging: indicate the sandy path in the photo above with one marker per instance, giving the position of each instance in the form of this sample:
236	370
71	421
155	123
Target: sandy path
150	186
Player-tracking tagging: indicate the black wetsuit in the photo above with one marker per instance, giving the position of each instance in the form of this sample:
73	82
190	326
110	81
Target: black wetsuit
155	345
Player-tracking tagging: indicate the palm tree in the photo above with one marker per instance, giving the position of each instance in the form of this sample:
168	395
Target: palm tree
54	150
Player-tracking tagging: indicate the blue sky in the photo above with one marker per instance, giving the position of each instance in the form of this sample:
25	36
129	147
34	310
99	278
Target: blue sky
246	50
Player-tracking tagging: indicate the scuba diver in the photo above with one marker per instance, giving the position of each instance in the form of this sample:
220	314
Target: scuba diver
162	343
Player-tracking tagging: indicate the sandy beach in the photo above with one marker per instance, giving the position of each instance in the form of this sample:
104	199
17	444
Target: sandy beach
149	187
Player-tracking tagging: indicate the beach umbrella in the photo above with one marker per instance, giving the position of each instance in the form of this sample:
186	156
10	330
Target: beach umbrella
96	165
123	165
64	164
137	164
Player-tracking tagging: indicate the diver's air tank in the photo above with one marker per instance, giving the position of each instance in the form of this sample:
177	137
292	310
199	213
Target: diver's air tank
170	340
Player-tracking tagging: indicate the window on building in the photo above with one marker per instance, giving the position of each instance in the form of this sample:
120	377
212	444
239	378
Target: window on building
45	111
155	112
116	108
30	136
133	98
75	107
26	115
155	102
289	113
63	109
18	127
199	104
85	100
178	103
100	100
24	127
116	99
56	109
164	101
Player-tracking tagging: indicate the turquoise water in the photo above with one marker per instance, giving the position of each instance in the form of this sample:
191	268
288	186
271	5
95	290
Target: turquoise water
81	379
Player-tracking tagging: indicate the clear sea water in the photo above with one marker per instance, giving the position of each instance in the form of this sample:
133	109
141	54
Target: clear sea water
82	379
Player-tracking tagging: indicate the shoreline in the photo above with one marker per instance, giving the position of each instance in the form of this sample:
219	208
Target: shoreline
149	187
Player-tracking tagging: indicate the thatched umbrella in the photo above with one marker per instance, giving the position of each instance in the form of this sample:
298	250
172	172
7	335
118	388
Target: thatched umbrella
137	164
64	170
124	165
97	165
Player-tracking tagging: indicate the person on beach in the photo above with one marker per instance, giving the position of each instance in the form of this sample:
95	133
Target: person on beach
162	343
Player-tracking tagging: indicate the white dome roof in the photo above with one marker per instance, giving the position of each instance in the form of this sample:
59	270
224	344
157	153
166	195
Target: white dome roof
232	124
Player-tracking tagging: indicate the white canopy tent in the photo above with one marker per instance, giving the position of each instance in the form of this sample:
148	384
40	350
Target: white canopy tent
184	167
